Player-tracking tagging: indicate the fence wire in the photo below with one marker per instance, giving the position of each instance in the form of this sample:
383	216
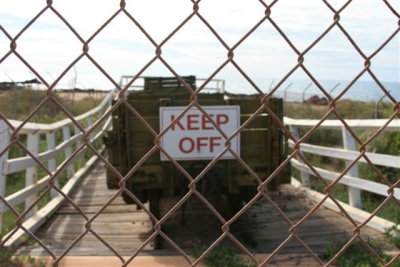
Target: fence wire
193	181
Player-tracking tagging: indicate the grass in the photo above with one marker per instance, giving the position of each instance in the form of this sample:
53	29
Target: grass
49	112
392	234
357	254
224	255
7	259
344	108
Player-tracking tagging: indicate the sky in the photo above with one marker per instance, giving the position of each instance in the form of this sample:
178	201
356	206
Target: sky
121	49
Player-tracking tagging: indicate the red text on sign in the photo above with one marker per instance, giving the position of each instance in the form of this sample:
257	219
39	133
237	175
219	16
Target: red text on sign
188	145
193	122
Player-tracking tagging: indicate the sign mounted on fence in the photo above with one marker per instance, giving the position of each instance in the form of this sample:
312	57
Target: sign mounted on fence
194	136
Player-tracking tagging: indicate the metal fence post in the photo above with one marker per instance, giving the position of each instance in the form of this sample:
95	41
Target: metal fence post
31	172
4	141
354	193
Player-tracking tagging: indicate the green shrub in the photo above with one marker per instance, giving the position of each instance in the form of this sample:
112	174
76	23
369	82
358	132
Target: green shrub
7	259
357	254
224	255
392	234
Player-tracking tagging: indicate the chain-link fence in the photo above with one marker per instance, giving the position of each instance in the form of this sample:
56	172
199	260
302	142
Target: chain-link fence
87	130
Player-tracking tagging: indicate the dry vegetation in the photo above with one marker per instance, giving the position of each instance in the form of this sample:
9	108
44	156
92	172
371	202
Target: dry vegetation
347	109
20	103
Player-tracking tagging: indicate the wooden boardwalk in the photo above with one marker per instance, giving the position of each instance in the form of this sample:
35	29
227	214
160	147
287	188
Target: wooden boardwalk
125	228
122	226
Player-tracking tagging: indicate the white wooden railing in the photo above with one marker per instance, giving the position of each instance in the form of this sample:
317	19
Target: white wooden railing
355	184
36	133
35	184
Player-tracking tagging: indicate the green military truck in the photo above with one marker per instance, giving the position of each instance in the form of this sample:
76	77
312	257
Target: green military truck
190	138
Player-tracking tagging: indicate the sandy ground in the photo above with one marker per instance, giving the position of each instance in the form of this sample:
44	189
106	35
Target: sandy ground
171	261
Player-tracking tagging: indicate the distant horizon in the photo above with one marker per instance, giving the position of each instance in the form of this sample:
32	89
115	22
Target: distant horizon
296	89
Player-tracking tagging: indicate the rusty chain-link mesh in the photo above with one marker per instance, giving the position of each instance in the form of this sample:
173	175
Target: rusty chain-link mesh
263	97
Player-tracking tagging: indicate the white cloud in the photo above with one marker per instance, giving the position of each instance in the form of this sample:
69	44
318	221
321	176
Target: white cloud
123	49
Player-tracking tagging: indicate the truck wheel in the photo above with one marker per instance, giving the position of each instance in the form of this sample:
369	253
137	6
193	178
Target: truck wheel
235	203
127	199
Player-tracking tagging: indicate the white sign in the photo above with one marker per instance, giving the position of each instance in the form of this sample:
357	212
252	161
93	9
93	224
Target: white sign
194	136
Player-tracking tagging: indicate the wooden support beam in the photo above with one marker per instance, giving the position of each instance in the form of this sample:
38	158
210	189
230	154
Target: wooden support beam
68	151
31	173
354	193
52	164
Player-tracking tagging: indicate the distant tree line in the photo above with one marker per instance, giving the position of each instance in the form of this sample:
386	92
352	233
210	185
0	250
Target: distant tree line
4	86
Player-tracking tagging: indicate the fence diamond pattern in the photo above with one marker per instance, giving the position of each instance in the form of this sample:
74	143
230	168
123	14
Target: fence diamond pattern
268	8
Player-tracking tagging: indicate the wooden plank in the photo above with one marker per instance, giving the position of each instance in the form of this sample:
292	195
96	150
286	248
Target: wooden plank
96	202
77	218
93	209
40	217
126	228
121	225
366	185
339	153
128	241
100	195
21	163
263	224
131	238
358	215
92	248
69	228
20	196
105	228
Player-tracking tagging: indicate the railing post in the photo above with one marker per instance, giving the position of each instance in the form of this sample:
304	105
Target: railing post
52	164
305	177
95	118
90	124
4	141
354	193
31	172
68	151
79	142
